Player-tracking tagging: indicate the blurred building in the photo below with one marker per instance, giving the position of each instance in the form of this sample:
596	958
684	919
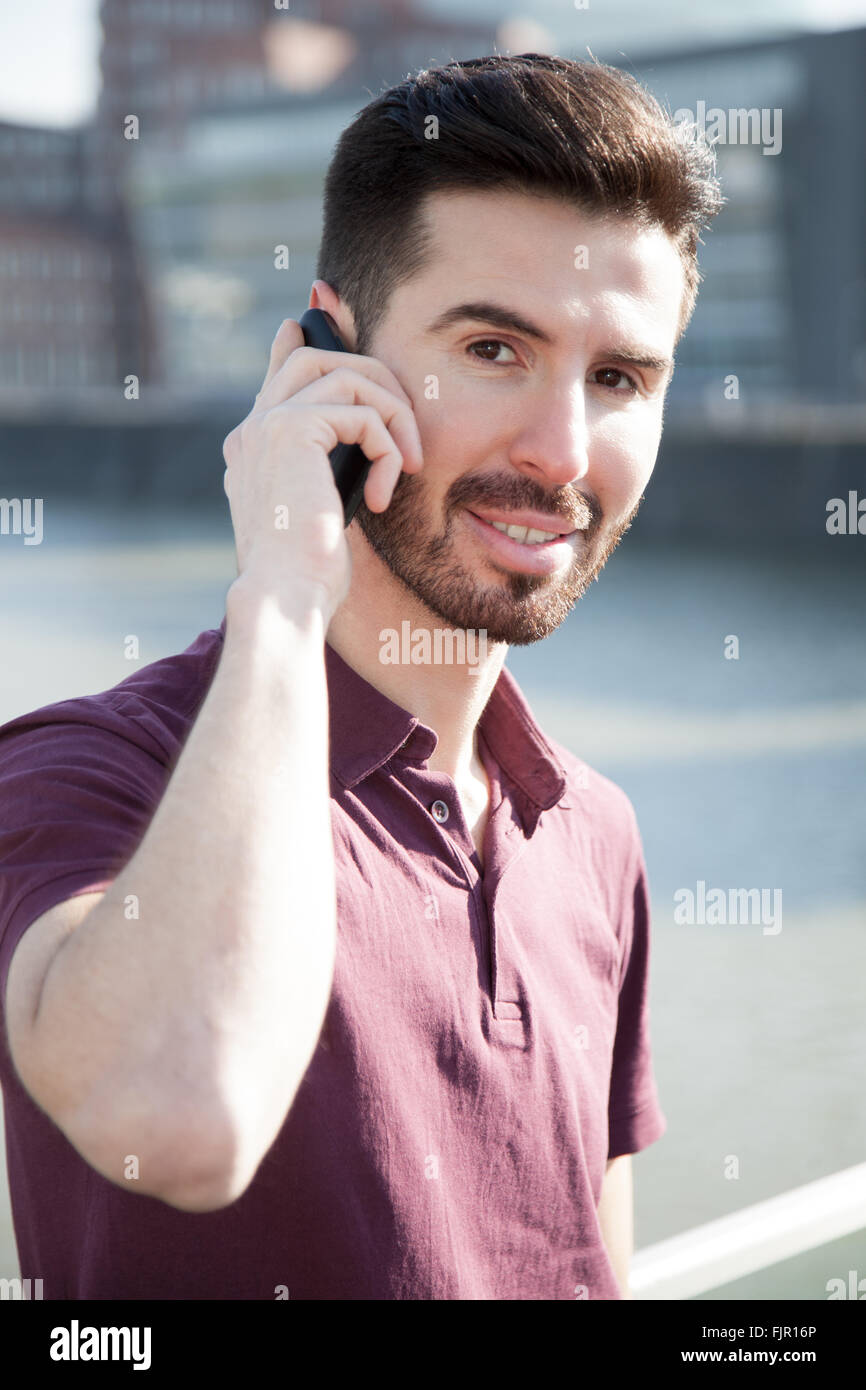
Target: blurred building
783	301
56	304
229	218
174	254
783	304
88	297
66	284
74	297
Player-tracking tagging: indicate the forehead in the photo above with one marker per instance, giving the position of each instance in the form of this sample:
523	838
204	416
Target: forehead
529	248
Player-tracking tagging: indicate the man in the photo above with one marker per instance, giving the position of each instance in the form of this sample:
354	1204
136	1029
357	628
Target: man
326	976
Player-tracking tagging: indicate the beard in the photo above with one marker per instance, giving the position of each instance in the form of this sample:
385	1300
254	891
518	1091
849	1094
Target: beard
521	608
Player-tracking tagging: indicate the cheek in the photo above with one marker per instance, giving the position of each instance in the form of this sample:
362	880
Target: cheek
623	453
453	433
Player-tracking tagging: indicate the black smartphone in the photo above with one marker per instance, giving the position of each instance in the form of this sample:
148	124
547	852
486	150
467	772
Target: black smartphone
349	462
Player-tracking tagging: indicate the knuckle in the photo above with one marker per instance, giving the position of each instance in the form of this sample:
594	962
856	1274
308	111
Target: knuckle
349	382
268	424
230	445
249	428
380	428
392	384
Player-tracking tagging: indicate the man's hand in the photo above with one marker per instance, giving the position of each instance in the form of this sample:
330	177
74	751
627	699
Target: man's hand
277	457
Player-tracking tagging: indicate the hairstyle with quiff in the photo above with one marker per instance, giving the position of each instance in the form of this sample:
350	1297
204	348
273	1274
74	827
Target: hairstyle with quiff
578	131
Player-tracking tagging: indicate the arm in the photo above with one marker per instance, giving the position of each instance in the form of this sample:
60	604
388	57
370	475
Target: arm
182	1037
616	1217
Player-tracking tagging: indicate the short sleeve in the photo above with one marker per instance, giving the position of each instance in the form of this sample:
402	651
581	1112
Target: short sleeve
75	802
634	1112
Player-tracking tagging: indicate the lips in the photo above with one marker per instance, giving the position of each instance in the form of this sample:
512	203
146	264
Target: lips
543	558
533	521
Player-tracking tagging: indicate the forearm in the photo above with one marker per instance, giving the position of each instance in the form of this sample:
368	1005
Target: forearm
182	1036
616	1218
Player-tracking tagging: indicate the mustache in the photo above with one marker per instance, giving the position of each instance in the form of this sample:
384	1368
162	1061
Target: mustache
576	509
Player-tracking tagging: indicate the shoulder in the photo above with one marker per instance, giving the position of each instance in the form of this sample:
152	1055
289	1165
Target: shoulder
152	709
591	803
599	803
598	836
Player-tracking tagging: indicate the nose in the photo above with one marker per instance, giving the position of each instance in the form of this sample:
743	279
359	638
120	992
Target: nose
552	444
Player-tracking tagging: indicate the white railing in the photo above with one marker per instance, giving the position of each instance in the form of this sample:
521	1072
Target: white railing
750	1239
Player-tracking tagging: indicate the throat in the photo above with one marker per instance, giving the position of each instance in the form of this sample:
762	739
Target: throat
475	800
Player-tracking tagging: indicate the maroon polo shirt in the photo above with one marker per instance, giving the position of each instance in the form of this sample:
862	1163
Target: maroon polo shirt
485	1048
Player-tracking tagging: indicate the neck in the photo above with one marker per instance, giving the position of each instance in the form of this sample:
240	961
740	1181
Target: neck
448	698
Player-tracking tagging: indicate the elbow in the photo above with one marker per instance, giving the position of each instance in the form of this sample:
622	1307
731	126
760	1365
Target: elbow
204	1186
201	1195
203	1169
193	1162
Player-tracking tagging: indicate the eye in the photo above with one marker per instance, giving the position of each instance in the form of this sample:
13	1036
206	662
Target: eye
489	343
630	387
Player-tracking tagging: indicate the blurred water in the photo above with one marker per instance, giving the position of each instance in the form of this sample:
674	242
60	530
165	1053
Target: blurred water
745	773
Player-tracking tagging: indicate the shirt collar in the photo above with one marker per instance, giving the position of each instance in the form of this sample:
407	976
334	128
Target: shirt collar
367	729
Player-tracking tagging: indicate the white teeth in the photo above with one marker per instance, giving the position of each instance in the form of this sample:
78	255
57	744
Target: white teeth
525	533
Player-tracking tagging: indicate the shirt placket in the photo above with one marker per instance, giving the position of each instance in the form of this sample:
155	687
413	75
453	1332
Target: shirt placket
503	845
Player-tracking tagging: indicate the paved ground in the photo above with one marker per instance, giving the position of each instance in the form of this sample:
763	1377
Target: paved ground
746	773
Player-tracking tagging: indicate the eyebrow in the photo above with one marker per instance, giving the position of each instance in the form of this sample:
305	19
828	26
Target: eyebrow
496	315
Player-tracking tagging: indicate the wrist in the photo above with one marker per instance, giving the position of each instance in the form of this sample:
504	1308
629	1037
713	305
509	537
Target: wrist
306	607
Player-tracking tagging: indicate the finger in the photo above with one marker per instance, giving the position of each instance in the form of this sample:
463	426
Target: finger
355	424
344	386
306	364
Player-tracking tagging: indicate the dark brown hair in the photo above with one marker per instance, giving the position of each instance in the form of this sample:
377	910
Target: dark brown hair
579	131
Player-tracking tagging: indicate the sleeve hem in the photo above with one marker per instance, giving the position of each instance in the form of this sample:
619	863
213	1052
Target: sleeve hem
637	1130
47	895
31	906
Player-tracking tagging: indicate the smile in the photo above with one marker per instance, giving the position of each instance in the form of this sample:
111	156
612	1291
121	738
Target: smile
526	534
525	548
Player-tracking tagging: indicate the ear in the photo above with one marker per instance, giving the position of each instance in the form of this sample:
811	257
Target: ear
324	298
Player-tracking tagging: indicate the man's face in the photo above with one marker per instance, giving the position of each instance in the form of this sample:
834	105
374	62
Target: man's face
565	425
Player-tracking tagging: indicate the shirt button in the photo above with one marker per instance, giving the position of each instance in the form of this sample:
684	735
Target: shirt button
440	811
